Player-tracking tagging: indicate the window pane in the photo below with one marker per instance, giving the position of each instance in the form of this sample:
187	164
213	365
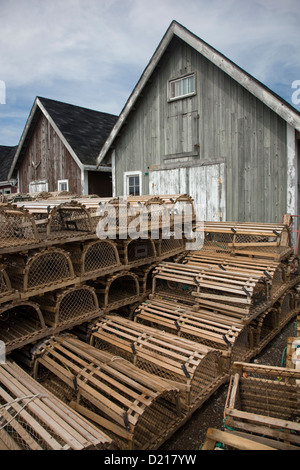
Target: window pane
182	87
133	185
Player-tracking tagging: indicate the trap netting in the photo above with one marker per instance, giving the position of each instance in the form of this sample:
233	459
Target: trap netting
17	228
93	259
69	219
69	306
116	290
40	270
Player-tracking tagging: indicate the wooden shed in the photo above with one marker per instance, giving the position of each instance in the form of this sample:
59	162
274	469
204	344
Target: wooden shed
59	147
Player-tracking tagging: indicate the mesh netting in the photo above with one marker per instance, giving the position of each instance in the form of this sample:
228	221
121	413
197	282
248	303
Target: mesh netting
17	227
40	269
158	353
69	306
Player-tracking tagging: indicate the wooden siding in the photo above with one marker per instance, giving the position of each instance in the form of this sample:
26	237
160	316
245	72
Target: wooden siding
221	122
52	161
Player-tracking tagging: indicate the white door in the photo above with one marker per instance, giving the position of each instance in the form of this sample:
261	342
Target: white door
205	184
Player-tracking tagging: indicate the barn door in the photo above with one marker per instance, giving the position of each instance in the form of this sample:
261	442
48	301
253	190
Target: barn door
205	184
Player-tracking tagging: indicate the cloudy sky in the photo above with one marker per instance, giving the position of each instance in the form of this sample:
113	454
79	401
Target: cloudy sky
91	53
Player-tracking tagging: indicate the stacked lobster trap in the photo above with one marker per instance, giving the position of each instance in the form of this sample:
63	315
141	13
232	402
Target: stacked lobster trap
263	404
195	369
136	409
32	418
52	258
156	328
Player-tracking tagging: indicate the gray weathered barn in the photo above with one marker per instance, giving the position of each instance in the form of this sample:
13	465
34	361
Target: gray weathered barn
197	123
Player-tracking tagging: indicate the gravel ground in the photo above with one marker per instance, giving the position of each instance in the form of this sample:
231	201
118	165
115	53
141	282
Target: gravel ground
191	436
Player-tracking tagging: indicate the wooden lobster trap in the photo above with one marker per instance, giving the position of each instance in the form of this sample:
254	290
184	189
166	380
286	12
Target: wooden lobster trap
248	239
195	369
247	295
136	251
67	220
277	273
64	308
175	281
94	258
136	409
21	323
37	271
243	295
7	292
17	229
169	246
32	418
207	327
116	290
264	401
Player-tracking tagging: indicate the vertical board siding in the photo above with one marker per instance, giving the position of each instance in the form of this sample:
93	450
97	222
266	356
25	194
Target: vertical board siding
52	161
224	121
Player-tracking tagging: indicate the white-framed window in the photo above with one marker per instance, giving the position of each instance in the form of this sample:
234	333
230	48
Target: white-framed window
133	183
7	191
182	87
63	185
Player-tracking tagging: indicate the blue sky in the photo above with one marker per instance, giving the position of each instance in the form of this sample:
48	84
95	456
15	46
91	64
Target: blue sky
91	53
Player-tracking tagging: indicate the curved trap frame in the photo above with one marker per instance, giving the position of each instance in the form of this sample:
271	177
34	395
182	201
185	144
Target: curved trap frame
17	228
136	409
36	272
194	369
21	323
145	275
65	308
34	419
7	292
117	290
93	259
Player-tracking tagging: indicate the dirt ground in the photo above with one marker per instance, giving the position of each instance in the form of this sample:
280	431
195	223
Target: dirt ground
191	436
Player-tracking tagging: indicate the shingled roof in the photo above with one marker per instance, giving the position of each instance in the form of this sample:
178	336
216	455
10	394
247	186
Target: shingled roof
86	130
6	158
82	130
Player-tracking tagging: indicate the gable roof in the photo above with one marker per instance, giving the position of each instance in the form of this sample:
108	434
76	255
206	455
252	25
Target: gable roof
6	157
254	86
82	130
